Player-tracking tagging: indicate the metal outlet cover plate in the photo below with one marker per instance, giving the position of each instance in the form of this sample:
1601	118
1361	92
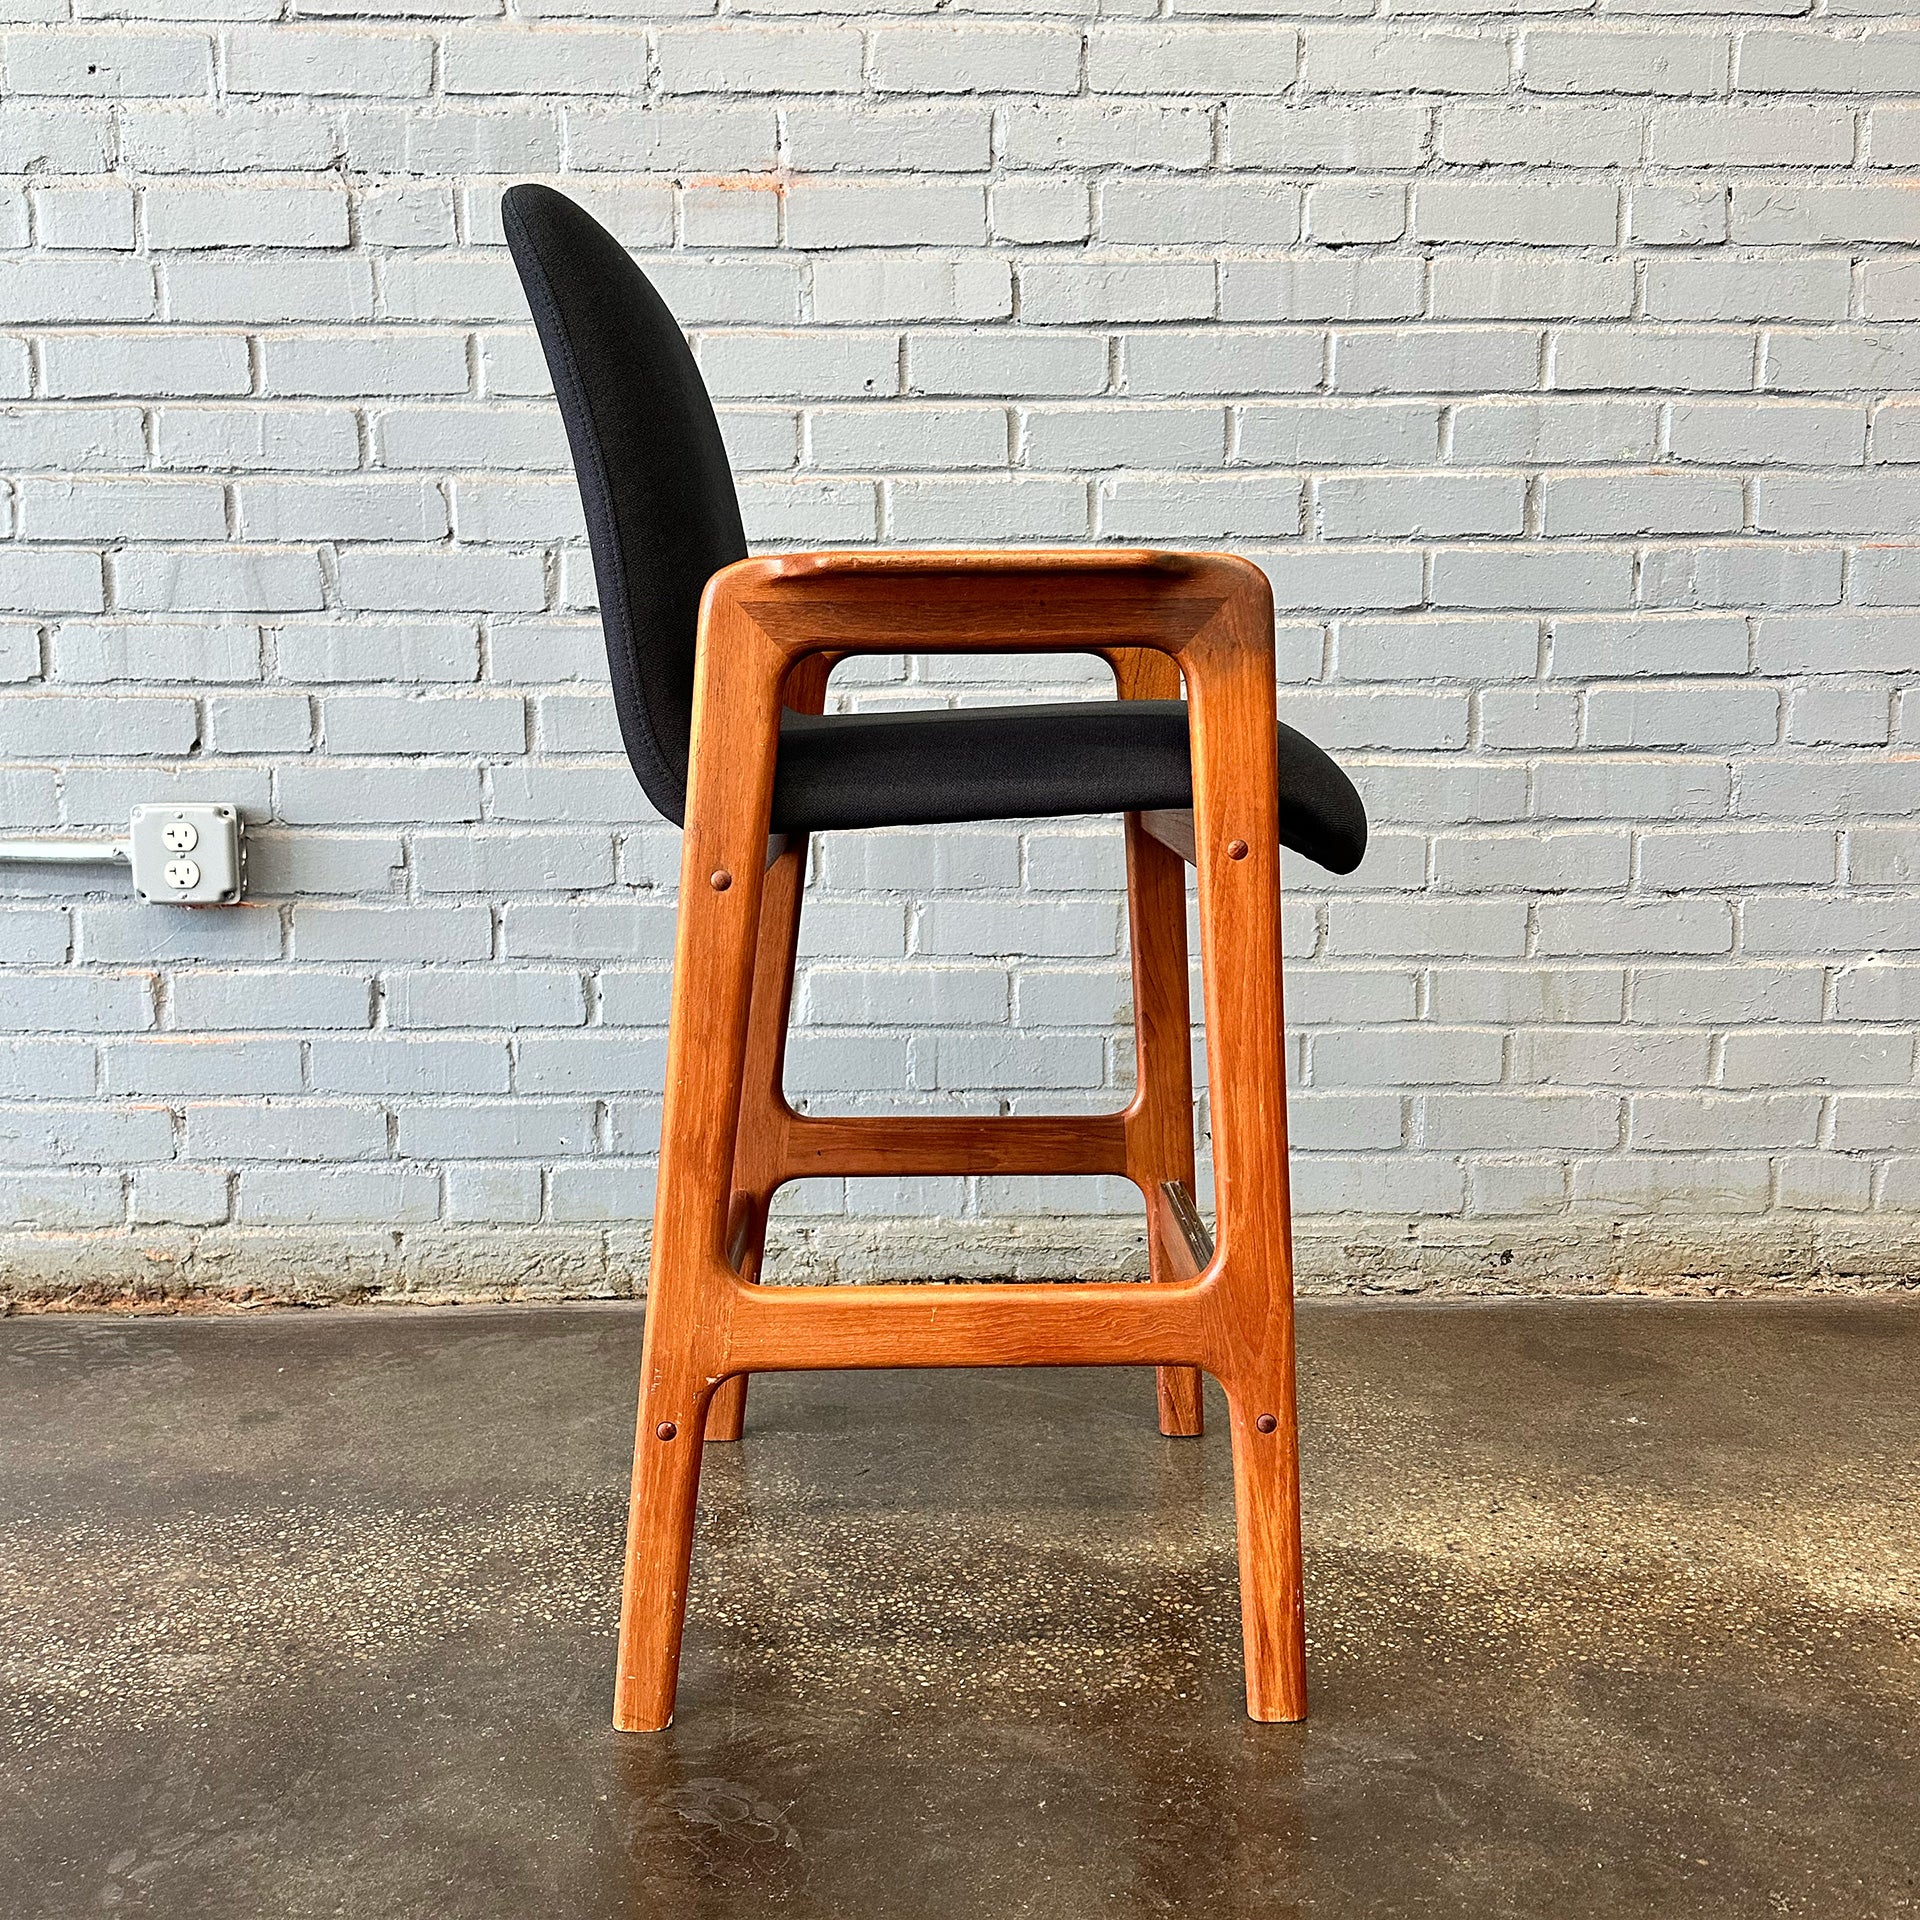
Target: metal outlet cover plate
187	856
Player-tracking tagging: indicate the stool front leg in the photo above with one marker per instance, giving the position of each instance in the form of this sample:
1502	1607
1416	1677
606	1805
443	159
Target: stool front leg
1230	680
691	1285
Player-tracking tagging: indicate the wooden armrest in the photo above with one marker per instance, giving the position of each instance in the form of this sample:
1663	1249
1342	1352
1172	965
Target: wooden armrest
1104	600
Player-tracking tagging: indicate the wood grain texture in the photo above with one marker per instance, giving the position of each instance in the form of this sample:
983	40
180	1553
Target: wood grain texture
729	1138
1173	828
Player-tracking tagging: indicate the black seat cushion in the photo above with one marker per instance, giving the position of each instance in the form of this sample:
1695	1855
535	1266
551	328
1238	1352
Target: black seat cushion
1023	763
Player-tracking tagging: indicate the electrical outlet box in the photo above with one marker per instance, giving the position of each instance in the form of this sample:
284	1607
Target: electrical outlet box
188	856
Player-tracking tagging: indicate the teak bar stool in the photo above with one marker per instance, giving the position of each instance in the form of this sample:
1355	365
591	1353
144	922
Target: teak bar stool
719	668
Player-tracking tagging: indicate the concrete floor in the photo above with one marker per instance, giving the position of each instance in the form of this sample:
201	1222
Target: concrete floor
1614	1609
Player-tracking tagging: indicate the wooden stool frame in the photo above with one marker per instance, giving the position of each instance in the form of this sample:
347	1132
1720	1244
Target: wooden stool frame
770	630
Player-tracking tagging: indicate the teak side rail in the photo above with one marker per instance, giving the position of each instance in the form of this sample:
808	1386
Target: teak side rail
769	630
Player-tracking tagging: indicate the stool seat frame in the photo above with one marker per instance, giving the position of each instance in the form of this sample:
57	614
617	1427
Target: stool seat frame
770	629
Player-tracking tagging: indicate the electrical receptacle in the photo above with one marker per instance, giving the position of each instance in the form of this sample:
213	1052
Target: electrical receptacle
188	856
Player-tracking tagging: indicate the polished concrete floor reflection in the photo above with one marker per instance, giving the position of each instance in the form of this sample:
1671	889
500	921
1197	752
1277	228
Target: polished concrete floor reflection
1614	1609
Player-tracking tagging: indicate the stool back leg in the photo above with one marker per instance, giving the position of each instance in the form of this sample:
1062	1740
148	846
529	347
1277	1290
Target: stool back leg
1160	1120
759	1152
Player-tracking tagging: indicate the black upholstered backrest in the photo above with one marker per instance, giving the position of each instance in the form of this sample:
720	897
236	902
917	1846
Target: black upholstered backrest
661	510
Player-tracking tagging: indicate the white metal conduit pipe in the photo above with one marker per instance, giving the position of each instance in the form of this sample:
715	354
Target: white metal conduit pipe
63	852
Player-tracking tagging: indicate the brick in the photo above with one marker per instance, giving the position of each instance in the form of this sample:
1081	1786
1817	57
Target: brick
881	213
972	59
57	1201
83	217
492	1194
118	65
1004	362
730	59
1525	286
1583	505
298	998
1712	1183
1436	360
1504	210
1532	861
1625	1057
229	139
1406	1056
319	61
1438	648
1094	291
1717	287
590	1062
1557	135
194	216
938	136
143	508
392	933
1805	133
1790	60
1765	215
305	1130
72	725
1817	1056
1321	287
460	723
1545	577
181	1196
1233	210
1031	209
1529	1121
1380	135
86	1002
1351	506
1104	133
1335	433
189	1064
1649	357
1615	60
1378	59
472	997
494	1129
50	290
338	1196
1223	360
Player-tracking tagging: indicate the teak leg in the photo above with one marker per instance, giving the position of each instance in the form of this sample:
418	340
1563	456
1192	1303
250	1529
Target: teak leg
690	1284
760	1144
1266	1504
1237	859
1160	1121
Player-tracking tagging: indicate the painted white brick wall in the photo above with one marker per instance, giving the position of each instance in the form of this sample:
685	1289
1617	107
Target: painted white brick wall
1562	373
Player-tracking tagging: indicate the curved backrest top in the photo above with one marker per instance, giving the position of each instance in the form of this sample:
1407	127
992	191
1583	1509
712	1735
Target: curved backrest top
661	510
